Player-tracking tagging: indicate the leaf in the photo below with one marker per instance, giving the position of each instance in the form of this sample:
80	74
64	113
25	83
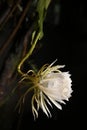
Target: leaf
47	4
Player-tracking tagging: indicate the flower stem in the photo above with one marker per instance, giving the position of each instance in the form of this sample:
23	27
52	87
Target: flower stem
28	54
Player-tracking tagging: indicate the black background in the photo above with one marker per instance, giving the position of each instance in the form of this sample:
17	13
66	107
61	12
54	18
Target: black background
65	40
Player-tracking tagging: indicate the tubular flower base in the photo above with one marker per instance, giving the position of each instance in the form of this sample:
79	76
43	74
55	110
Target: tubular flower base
50	85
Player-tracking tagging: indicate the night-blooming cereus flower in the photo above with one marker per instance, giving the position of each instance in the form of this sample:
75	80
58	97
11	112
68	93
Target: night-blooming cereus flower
51	86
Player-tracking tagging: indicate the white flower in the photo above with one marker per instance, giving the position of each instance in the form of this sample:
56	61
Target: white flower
51	86
57	85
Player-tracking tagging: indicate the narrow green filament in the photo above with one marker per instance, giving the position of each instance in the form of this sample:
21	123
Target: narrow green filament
28	54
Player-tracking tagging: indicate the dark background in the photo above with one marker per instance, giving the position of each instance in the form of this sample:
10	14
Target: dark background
65	38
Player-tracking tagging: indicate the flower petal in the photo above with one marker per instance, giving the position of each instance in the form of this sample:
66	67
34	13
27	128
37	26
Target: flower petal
55	103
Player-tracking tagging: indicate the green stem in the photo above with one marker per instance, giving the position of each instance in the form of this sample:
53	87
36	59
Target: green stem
28	54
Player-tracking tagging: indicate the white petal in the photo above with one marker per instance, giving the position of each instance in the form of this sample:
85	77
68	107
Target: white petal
43	106
53	93
55	103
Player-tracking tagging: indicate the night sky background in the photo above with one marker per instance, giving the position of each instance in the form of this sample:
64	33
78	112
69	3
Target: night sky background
65	39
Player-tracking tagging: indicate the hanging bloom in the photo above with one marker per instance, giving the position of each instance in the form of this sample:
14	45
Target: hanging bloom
51	86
